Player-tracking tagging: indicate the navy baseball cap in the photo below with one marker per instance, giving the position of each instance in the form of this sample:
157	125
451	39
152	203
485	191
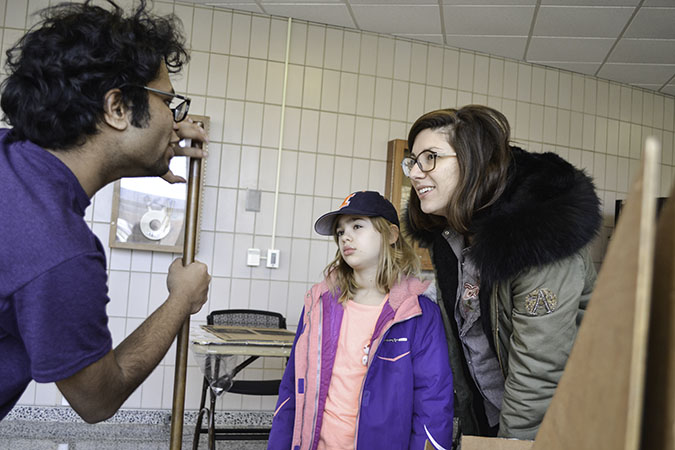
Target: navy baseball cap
361	203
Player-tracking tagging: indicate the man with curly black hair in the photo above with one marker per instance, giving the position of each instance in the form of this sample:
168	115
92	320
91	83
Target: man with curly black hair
89	100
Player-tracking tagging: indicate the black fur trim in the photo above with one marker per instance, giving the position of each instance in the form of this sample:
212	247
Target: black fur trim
548	212
425	238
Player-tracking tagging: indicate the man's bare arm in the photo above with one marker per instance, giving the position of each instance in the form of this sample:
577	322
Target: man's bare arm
97	391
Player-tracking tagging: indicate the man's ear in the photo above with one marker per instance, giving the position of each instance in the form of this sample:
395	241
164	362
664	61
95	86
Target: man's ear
394	234
115	112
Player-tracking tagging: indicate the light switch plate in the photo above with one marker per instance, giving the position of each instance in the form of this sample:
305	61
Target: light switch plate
253	200
273	259
253	257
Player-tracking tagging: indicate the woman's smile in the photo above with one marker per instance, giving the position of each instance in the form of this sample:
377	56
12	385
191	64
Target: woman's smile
434	187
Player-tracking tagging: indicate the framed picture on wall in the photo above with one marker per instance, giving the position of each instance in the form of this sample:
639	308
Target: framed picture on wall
397	190
148	213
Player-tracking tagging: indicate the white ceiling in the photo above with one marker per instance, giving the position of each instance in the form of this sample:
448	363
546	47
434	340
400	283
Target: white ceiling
629	41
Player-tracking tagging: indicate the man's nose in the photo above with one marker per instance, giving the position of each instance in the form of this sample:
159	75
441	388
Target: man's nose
174	134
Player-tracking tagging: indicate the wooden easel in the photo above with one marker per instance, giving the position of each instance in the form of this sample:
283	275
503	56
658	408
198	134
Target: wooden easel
618	388
658	430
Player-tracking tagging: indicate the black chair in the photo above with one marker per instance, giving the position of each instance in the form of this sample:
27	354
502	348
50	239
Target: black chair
225	382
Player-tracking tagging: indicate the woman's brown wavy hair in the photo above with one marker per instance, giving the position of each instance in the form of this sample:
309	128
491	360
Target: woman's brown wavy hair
480	136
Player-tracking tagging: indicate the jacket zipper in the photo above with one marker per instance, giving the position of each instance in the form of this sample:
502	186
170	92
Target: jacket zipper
304	403
371	357
495	314
318	372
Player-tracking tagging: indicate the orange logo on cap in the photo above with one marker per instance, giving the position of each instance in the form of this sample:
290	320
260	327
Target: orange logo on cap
345	202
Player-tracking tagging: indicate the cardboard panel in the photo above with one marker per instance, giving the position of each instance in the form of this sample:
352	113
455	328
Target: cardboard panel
659	409
598	403
483	443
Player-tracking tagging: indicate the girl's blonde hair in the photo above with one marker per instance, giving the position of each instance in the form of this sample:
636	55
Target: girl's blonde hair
396	260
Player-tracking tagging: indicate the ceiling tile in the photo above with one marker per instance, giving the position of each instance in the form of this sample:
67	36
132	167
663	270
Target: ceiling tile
638	73
239	6
655	51
651	87
418	19
648	3
331	14
578	21
488	20
489	2
568	49
506	46
435	38
590	2
653	23
392	2
585	68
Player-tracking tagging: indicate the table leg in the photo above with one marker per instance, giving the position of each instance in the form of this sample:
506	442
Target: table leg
200	416
212	422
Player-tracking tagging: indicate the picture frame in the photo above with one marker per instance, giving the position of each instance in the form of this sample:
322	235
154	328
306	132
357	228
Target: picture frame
397	190
149	213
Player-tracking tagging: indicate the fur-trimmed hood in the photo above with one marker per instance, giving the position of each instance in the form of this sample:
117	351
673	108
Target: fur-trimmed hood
548	211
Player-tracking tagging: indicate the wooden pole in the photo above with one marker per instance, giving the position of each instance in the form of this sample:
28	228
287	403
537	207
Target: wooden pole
189	245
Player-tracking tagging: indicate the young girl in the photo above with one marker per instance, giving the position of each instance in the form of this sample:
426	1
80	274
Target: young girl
369	368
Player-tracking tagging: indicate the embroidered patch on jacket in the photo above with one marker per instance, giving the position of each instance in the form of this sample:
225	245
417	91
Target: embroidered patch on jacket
470	295
541	298
403	339
470	291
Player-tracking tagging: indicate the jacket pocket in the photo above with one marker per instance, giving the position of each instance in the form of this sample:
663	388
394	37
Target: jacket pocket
394	358
281	406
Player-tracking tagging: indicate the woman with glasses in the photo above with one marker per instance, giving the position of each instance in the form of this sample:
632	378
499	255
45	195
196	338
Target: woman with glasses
509	233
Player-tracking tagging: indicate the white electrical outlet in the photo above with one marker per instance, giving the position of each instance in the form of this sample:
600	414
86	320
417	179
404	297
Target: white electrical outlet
273	259
253	257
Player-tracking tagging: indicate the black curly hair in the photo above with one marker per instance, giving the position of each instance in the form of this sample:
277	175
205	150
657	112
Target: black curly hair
60	70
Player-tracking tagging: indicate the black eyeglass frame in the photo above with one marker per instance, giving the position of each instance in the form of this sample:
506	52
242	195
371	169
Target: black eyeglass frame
407	166
179	111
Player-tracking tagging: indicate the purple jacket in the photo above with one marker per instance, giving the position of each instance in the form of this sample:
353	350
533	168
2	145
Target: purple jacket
406	397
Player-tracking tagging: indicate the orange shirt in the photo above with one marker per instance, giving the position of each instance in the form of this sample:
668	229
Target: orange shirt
342	403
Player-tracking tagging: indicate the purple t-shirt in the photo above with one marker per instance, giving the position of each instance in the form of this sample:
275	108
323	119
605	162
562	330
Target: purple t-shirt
53	283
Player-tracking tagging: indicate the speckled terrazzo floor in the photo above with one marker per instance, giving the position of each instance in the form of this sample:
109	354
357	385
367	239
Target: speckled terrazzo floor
47	444
60	429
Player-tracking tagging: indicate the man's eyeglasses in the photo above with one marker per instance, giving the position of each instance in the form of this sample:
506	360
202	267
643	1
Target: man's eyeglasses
179	111
426	161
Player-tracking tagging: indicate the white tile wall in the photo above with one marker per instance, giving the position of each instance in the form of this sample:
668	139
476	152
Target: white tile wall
348	93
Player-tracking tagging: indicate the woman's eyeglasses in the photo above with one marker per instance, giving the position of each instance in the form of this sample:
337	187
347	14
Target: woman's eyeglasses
426	161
